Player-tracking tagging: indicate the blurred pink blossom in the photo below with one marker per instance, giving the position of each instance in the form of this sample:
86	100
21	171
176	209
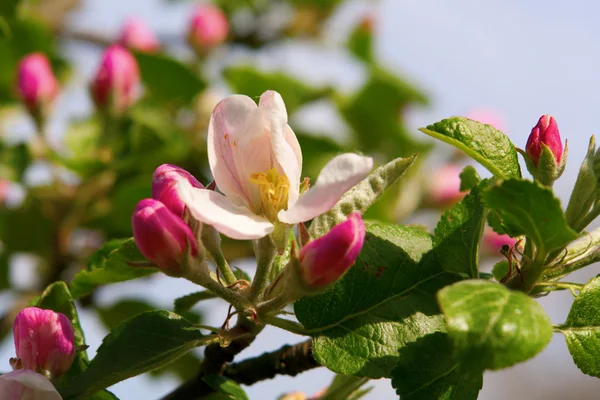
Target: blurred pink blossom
208	28
136	35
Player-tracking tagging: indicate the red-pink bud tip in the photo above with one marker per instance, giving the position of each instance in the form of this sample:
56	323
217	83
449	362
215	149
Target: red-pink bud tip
546	132
325	260
136	35
162	236
164	186
208	28
116	81
44	340
36	82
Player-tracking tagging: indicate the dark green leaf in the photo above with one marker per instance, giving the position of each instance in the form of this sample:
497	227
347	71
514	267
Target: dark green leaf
361	196
484	143
227	389
582	329
110	267
186	302
491	326
167	79
458	235
121	311
140	344
428	370
385	301
469	178
527	208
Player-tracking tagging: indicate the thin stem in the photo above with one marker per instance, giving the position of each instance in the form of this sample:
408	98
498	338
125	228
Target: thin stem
274	304
201	276
549	286
226	273
212	242
285	324
343	391
265	255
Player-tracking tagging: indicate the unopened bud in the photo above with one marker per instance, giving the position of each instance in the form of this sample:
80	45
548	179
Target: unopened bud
208	28
44	341
324	260
162	237
36	84
115	84
25	384
164	186
136	35
545	156
444	187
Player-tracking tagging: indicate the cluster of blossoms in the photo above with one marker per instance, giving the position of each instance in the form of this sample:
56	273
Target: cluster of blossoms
45	348
114	87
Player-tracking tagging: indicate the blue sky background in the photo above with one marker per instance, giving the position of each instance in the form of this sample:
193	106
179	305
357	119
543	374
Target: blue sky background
522	59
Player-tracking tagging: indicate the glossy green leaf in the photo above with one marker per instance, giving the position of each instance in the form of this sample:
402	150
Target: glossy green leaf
429	370
469	178
385	301
110	266
582	329
527	208
140	344
484	143
361	196
491	326
458	235
226	389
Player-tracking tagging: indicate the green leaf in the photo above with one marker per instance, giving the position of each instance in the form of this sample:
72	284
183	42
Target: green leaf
57	298
484	143
227	389
140	344
583	195
527	208
491	326
385	301
582	329
186	302
121	311
428	370
458	235
252	82
344	387
167	79
360	42
110	266
469	178
361	196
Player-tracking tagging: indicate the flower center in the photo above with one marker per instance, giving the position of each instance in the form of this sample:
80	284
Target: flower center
274	190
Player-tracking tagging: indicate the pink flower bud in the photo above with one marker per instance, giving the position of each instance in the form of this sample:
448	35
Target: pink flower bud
208	28
114	87
36	83
325	260
545	132
444	189
44	340
492	242
136	35
24	384
162	236
164	186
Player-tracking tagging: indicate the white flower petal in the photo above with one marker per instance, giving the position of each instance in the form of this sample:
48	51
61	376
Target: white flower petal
336	178
27	384
273	108
212	208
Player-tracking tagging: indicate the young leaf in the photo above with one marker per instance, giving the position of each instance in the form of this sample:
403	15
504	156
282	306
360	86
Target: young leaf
469	178
527	208
361	196
344	387
491	326
458	234
109	265
186	302
140	344
582	329
385	301
227	389
583	194
484	143
428	370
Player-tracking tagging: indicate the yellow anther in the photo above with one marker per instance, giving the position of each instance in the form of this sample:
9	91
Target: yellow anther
274	190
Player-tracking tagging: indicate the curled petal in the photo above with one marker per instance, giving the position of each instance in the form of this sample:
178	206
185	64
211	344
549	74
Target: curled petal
212	208
26	384
335	179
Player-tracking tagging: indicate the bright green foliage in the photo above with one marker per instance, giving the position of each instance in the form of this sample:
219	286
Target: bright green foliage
582	329
490	147
491	326
383	303
469	178
428	370
226	389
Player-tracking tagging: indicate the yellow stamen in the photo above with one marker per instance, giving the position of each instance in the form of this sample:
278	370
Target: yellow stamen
274	190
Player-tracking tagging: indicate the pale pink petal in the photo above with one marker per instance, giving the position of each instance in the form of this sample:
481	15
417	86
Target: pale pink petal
26	384
212	208
274	112
335	179
292	140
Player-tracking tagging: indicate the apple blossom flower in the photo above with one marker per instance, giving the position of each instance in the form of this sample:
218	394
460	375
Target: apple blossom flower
493	242
208	28
44	341
36	83
256	162
545	132
164	186
25	384
136	35
444	186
